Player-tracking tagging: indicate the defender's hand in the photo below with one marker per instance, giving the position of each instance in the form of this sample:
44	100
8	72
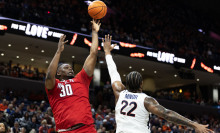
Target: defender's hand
95	25
107	44
61	43
202	128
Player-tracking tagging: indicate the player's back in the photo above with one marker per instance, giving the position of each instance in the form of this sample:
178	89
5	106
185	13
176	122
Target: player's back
131	115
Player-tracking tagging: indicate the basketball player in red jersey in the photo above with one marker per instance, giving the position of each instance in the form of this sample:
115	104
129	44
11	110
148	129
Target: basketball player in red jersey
69	95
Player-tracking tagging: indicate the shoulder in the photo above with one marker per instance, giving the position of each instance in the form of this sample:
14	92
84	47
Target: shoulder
82	73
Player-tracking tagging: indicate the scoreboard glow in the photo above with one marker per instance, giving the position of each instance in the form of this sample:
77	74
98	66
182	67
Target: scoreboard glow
28	29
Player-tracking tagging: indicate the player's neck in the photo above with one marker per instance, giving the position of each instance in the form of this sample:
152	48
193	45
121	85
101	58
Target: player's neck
135	91
64	78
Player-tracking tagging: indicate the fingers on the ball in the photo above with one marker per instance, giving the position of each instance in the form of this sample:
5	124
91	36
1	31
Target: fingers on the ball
110	38
106	37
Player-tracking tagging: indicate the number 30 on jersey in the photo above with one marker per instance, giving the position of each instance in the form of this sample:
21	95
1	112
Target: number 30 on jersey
66	90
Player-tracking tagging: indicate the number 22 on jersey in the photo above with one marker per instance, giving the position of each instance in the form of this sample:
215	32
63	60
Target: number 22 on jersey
66	90
129	113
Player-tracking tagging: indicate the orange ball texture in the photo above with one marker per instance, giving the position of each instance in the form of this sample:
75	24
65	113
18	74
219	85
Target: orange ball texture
97	9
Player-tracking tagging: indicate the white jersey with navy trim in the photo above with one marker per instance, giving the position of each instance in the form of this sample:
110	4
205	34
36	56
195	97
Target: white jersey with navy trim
131	115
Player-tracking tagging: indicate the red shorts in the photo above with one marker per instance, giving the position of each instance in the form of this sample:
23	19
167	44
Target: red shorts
84	129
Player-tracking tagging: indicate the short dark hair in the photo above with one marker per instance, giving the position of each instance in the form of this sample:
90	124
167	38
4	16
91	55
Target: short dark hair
59	65
133	81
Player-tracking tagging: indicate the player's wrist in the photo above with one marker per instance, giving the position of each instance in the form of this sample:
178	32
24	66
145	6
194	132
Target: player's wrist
94	31
194	124
58	51
107	53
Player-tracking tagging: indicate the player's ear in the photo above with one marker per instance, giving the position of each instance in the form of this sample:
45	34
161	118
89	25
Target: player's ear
58	73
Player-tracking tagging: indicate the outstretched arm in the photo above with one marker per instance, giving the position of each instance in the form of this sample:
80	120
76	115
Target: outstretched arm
90	62
117	85
154	107
52	69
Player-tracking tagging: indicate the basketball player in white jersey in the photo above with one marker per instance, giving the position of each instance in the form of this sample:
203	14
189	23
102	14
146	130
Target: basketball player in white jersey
133	107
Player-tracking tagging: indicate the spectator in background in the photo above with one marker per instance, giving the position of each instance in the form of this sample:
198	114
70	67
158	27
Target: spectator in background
24	120
33	124
43	128
43	106
2	68
16	128
3	127
3	105
93	111
98	122
23	130
2	118
48	118
21	108
10	110
17	113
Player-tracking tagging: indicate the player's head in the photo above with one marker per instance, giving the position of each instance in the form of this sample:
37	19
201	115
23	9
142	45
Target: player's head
65	71
3	127
134	81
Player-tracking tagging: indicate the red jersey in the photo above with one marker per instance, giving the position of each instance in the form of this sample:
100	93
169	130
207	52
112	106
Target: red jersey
69	100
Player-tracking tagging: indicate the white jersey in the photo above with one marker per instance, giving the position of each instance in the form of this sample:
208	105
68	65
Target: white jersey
131	115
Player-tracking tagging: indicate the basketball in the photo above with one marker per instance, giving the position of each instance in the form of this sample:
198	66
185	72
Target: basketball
97	9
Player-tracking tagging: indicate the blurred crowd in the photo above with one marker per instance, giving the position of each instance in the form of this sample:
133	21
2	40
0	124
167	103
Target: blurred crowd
27	72
160	24
24	116
186	96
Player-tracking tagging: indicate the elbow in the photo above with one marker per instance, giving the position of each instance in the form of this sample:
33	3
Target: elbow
167	114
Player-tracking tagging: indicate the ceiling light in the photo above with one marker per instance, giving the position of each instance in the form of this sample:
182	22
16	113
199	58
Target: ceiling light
155	72
142	69
124	75
32	59
17	57
130	67
2	54
73	57
26	48
46	62
9	45
175	75
180	90
42	51
197	80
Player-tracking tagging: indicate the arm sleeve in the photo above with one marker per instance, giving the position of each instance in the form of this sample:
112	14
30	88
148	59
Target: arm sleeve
112	69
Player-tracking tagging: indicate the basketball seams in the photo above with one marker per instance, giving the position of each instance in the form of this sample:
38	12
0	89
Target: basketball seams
94	7
98	12
95	10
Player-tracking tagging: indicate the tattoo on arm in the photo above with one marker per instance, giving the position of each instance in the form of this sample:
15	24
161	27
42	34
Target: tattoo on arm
174	117
154	107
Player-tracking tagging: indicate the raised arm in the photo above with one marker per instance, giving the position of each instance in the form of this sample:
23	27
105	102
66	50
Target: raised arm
154	107
90	62
117	85
52	69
